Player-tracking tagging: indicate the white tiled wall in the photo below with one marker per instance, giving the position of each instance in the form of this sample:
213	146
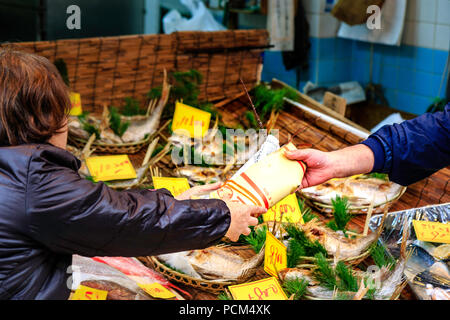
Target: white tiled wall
322	24
428	24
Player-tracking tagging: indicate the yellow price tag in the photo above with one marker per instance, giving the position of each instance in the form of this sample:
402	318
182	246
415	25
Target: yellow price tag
75	100
287	210
265	289
275	256
175	185
107	168
156	290
432	231
86	293
190	121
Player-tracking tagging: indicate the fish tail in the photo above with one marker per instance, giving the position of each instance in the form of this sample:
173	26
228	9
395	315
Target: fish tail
404	238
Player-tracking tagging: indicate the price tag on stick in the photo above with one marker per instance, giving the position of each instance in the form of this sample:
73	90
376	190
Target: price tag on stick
287	210
75	100
156	290
432	231
175	185
265	289
107	168
86	293
190	121
275	257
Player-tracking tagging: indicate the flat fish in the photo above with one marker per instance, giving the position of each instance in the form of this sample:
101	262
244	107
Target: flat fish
137	130
360	192
215	263
336	243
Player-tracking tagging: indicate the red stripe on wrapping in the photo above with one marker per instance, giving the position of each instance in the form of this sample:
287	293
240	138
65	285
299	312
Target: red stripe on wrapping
254	186
302	165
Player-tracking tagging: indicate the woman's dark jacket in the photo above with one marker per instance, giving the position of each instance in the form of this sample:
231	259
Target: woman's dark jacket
48	213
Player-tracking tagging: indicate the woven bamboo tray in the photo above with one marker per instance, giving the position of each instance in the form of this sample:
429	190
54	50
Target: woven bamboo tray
328	209
124	148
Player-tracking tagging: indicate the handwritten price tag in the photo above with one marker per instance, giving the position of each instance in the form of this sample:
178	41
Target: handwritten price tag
190	121
86	293
107	168
156	290
287	210
75	100
265	289
175	185
432	231
275	257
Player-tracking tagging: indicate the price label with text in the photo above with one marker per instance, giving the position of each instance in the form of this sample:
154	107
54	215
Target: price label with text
175	185
265	289
156	290
432	231
287	209
86	293
107	168
275	257
190	121
75	100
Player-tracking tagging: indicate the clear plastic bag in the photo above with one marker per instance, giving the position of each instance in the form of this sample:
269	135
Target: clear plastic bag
201	20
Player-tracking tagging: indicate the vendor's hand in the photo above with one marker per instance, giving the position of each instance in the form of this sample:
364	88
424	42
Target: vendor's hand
323	166
242	216
198	190
319	166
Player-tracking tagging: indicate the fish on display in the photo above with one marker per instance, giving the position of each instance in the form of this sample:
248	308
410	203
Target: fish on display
214	263
359	191
199	174
138	130
423	268
335	242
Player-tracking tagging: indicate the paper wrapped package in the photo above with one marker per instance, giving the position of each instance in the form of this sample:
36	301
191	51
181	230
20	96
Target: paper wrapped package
265	182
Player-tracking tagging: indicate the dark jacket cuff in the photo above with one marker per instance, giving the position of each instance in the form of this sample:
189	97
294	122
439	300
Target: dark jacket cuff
378	151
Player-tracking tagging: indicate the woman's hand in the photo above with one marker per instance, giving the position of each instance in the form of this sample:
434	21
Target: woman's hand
242	216
198	190
323	166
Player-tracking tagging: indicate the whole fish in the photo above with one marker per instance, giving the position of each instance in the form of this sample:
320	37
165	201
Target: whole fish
199	174
214	264
137	130
336	243
360	192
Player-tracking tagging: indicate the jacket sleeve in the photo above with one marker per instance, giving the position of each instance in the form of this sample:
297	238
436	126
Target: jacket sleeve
71	215
414	149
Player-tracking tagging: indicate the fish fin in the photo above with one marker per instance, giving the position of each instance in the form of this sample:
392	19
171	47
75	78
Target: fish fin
405	235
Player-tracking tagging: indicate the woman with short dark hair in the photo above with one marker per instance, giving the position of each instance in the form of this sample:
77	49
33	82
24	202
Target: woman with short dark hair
48	212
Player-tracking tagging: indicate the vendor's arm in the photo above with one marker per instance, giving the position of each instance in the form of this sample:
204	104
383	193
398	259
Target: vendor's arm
414	149
408	152
69	214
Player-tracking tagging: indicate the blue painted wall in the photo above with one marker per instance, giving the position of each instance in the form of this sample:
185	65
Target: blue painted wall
411	76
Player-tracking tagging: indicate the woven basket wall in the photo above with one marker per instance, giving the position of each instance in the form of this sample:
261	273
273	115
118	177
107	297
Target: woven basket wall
106	70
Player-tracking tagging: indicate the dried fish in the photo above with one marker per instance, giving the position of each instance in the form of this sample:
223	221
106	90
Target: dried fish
139	129
335	242
214	263
199	174
359	191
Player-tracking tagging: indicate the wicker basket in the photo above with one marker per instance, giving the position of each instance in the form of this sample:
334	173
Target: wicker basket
123	148
328	209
